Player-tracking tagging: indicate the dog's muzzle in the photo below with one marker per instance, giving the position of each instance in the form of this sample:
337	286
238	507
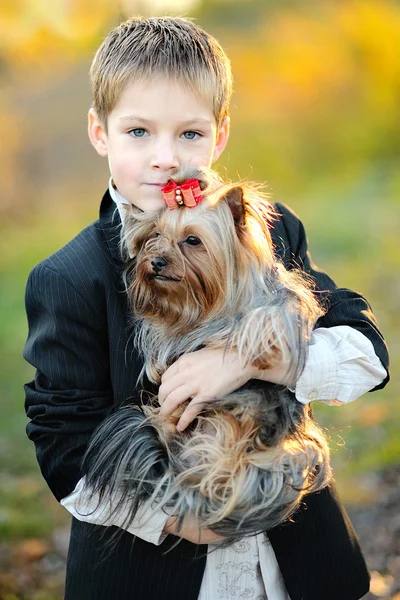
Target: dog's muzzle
158	264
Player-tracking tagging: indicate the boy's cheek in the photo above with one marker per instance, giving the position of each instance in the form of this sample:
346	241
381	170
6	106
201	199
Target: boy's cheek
126	166
203	158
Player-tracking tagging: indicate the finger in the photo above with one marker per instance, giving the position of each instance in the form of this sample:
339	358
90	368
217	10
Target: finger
174	399
167	387
190	413
182	365
172	370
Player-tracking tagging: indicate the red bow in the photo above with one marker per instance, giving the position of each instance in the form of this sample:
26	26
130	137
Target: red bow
187	194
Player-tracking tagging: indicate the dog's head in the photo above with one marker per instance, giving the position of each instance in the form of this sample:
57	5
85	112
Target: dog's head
196	263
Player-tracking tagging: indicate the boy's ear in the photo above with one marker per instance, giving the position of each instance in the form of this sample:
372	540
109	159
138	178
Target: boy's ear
235	201
222	138
97	134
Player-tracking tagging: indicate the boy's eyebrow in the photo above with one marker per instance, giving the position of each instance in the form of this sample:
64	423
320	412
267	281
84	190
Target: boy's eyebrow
196	120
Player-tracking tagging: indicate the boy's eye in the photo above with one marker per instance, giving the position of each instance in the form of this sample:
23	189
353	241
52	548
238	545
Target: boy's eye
138	132
190	135
192	240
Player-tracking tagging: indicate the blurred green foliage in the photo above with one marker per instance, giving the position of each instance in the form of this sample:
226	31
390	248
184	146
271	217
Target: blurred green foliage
315	115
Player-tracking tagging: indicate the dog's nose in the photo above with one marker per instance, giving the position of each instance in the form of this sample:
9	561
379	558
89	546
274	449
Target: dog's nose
158	263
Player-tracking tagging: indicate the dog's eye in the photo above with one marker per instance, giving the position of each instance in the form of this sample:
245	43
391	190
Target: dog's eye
157	234
192	240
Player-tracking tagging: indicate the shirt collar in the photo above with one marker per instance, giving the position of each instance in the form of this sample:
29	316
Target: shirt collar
118	198
120	201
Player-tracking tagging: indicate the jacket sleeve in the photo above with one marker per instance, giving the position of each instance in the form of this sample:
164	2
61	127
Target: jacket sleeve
70	394
343	306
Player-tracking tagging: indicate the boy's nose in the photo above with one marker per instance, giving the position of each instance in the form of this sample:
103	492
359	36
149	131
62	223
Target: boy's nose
165	157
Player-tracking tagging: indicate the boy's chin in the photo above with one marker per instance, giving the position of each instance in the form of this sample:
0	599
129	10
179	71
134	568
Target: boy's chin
148	203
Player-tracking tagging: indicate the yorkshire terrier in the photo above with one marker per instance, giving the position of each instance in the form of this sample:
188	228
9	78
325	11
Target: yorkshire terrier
205	275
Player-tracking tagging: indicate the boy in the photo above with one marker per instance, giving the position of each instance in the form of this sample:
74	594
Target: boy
161	96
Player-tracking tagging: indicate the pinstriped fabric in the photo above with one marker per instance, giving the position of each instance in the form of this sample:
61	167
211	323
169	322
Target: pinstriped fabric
80	343
344	576
139	570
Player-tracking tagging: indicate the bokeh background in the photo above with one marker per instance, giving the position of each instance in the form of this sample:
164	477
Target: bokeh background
315	115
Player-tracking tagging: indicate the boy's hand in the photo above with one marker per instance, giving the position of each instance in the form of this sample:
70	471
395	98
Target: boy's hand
200	376
205	375
191	531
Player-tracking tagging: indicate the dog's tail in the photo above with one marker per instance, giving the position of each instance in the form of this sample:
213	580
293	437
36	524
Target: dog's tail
125	462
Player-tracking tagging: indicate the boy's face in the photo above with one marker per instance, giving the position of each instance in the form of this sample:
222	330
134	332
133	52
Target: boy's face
156	128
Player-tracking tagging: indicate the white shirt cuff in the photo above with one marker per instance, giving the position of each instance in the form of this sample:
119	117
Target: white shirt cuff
148	523
341	366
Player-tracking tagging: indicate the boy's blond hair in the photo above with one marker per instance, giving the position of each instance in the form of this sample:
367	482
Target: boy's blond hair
143	49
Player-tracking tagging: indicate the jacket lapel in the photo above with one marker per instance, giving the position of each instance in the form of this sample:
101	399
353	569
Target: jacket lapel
110	225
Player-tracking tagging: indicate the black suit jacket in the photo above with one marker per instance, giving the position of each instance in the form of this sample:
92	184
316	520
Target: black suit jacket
81	345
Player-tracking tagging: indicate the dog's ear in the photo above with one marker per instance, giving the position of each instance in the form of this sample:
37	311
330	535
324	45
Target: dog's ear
235	200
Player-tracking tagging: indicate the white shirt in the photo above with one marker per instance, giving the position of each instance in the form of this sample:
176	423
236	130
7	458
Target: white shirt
341	366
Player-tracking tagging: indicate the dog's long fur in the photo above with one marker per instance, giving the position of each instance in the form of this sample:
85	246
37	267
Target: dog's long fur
245	463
